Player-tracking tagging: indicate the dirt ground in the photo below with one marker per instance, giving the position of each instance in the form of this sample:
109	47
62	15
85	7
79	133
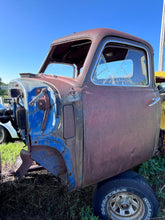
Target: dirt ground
41	196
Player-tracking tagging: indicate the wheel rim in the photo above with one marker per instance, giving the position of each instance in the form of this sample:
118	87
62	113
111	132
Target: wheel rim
125	205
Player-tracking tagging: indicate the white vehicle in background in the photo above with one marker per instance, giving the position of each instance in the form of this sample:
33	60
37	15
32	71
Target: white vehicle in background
7	132
1	100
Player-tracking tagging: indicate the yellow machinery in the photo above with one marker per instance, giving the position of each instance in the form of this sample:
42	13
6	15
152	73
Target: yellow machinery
160	76
160	79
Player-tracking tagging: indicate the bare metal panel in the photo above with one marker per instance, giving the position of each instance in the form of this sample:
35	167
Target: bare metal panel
69	124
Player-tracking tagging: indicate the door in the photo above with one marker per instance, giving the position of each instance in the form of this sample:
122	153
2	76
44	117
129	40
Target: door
121	112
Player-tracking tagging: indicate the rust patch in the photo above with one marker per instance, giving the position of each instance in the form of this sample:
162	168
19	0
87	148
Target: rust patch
27	162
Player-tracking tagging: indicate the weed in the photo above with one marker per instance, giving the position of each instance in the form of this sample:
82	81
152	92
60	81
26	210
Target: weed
50	200
153	171
41	196
10	151
86	213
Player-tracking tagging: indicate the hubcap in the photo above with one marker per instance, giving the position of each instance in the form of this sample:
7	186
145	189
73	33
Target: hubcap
125	205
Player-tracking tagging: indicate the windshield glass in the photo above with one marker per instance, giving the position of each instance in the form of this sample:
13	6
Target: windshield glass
60	69
66	59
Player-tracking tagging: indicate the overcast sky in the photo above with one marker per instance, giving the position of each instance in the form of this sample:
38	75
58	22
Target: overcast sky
27	27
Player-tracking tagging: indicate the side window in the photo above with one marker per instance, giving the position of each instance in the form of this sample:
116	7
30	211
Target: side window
121	66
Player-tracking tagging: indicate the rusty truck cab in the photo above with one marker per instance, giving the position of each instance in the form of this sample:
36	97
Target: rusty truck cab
91	112
87	124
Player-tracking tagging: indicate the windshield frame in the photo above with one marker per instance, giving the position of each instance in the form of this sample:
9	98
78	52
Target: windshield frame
54	55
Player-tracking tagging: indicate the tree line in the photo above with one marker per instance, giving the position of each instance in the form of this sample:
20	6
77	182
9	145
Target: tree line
3	92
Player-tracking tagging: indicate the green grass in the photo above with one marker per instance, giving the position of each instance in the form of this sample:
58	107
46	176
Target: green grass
40	196
86	213
10	151
54	198
153	171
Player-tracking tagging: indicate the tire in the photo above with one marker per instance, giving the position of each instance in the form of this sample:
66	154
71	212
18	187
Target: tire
3	135
125	197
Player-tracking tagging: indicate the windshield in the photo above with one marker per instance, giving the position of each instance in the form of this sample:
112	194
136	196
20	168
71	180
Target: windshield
66	59
61	69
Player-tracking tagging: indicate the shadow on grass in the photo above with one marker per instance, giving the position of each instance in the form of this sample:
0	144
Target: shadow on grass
42	196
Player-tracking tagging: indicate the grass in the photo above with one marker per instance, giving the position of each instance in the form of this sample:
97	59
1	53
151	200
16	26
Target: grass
153	171
42	196
10	151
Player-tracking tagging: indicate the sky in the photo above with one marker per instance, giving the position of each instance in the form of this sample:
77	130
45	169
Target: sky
27	27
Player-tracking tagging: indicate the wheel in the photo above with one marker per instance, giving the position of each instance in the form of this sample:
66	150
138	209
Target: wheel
3	134
125	197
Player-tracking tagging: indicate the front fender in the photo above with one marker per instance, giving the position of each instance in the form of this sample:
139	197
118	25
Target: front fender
57	159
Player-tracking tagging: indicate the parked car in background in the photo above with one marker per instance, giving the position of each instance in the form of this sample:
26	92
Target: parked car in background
1	100
7	132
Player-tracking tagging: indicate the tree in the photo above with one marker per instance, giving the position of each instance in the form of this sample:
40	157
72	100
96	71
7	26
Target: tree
3	92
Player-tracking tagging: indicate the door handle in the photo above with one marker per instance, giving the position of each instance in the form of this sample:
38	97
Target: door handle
155	100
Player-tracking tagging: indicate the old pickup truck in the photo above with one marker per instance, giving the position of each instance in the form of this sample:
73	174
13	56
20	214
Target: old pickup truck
89	115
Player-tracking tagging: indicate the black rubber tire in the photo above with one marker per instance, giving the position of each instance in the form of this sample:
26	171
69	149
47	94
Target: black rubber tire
126	184
3	135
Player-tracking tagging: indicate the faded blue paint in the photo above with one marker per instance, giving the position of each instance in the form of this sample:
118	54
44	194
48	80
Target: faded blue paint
59	145
47	159
47	138
35	115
